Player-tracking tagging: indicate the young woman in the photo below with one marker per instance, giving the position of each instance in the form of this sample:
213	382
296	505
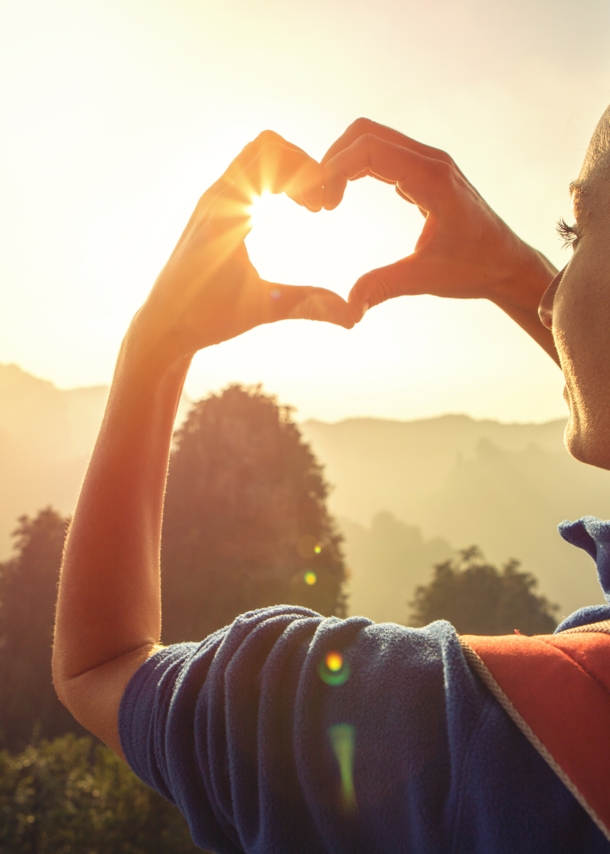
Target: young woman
413	750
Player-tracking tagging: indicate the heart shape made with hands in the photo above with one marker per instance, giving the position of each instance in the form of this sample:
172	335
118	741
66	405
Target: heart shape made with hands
372	227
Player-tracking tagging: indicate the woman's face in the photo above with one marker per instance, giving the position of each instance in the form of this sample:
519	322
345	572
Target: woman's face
576	307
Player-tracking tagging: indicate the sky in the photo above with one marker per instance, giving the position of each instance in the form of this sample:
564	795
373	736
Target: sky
118	114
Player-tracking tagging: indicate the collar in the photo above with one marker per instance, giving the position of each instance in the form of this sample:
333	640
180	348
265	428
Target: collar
592	535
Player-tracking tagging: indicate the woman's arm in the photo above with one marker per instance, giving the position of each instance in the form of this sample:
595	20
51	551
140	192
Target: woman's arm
465	250
109	609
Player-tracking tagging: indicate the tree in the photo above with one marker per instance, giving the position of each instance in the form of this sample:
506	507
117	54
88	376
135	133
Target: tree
70	796
246	523
480	599
28	589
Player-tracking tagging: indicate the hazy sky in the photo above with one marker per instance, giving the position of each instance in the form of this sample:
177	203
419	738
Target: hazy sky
117	114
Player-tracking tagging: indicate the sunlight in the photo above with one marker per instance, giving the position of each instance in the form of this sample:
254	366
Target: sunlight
260	207
331	249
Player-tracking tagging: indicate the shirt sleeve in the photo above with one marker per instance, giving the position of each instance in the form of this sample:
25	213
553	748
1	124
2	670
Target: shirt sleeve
290	732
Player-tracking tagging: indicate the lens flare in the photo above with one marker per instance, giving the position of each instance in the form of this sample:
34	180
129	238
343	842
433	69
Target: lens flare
343	740
308	546
333	670
310	577
334	661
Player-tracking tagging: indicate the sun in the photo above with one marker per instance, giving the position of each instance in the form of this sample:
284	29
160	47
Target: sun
279	241
260	206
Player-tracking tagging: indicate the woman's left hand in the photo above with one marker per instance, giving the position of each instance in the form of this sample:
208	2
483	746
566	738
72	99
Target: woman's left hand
209	290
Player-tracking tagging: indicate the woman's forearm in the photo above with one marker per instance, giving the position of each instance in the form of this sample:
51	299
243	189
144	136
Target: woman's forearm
109	608
109	599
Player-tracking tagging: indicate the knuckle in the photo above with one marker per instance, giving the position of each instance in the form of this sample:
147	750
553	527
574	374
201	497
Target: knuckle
266	136
361	126
371	290
272	145
366	141
269	151
443	156
368	138
383	289
444	170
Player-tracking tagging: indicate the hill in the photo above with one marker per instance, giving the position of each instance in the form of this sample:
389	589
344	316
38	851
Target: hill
504	487
46	436
407	494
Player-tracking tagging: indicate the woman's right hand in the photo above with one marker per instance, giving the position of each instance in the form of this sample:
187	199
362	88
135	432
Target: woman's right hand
209	290
465	250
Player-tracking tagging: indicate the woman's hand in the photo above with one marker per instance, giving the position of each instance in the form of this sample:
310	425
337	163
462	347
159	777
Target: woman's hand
464	251
209	291
108	618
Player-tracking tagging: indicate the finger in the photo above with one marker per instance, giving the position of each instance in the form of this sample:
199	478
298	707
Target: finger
226	221
276	168
250	151
307	189
279	168
292	302
335	183
384	283
422	179
366	126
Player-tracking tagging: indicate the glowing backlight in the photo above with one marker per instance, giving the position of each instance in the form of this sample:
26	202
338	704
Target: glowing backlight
310	577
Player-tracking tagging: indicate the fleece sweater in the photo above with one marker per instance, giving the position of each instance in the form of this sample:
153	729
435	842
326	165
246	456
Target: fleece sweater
289	732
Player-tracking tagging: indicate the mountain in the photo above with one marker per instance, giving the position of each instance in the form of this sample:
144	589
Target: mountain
396	465
407	493
504	487
52	425
387	560
46	436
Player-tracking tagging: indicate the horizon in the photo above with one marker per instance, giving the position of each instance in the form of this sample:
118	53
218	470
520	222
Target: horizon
452	476
302	420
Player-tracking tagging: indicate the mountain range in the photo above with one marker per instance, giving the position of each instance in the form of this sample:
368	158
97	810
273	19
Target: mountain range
503	487
407	494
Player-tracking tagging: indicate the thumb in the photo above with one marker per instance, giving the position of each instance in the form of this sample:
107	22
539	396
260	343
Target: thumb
383	284
292	302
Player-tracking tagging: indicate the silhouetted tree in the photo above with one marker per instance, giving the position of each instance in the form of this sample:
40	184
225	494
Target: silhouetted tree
28	589
246	523
480	599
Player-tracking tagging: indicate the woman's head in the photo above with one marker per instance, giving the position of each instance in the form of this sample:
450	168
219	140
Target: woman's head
576	307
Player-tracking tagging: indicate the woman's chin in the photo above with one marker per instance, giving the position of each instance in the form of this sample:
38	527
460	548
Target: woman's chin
588	442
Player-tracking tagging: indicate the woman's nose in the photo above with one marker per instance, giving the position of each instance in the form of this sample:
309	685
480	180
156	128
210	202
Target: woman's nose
545	309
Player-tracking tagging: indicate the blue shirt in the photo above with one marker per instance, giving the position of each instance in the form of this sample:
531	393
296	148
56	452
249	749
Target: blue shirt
289	732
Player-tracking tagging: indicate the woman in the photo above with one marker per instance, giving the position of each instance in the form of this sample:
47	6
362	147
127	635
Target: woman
412	751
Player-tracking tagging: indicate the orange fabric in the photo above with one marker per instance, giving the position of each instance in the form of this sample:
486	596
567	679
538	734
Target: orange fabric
560	685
